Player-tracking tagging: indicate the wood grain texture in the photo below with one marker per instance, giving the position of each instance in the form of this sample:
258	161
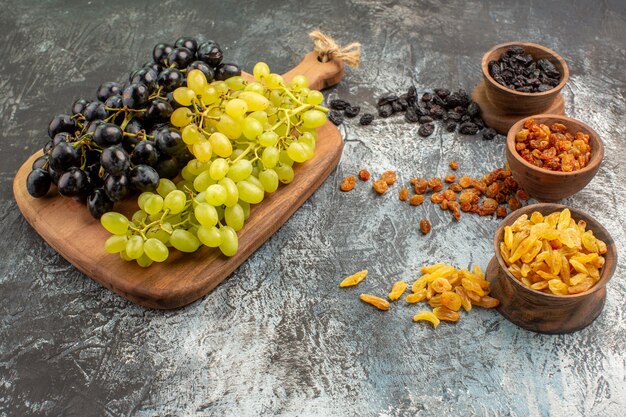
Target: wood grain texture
69	228
546	185
549	313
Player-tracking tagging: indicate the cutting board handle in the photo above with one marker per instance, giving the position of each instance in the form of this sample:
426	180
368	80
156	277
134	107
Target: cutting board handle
320	74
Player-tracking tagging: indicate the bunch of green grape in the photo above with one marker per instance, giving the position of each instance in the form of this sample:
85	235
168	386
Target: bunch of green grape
245	137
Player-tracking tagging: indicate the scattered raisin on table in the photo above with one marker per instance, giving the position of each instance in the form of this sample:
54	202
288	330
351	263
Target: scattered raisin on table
380	186
364	175
335	117
338	104
437	198
366	119
351	111
420	185
416	200
450	126
450	178
389	177
468	128
455	187
426	130
489	133
425	119
404	194
435	184
454	165
501	212
425	226
348	183
449	195
385	110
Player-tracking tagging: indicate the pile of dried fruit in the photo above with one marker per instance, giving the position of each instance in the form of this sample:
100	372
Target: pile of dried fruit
553	254
483	196
341	109
553	147
445	288
518	71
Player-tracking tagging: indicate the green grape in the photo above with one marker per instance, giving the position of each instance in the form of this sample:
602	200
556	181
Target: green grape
186	174
303	92
154	217
312	119
180	117
281	130
144	261
259	115
230	242
202	150
115	243
268	138
134	247
114	223
269	179
175	202
184	241
190	134
251	128
297	152
252	179
184	96
236	108
255	171
249	192
215	195
221	87
299	82
155	250
219	168
221	145
143	197
276	98
184	185
139	216
255	88
161	232
246	209
153	204
308	138
210	236
236	83
124	256
270	156
220	212
202	181
236	153
240	170
285	173
232	192
196	81
260	70
197	167
164	188
284	158
314	97
255	101
209	96
274	81
199	198
206	214
234	217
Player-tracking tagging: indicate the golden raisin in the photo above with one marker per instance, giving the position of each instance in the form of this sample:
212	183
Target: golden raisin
435	184
454	165
397	290
437	198
425	226
450	178
404	194
416	200
456	187
465	181
427	316
416	297
445	314
487	302
452	300
364	175
354	279
420	185
441	285
348	184
449	195
389	177
501	212
465	301
379	303
380	186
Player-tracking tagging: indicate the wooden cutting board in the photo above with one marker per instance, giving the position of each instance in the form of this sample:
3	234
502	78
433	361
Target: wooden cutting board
68	227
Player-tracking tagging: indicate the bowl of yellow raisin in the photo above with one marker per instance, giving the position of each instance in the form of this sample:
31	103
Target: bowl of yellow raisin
551	267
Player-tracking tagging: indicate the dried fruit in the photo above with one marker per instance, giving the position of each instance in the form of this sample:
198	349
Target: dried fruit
416	297
404	194
338	104
518	70
440	285
335	117
351	111
364	175
445	314
389	177
420	185
435	184
348	183
416	200
425	226
354	279
397	290
437	198
366	119
449	195
450	178
454	165
380	186
451	300
379	303
426	129
427	316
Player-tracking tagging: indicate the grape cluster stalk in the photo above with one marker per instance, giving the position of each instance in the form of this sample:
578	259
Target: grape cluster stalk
245	138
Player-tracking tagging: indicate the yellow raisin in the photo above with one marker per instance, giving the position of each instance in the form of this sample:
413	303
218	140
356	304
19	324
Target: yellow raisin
427	316
465	301
379	303
435	301
441	285
397	290
354	279
416	297
487	302
451	300
472	286
445	314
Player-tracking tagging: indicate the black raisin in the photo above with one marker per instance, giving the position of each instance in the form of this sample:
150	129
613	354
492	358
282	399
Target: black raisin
396	106
437	112
438	101
335	117
452	115
468	128
426	97
473	109
385	110
386	99
403	103
426	129
425	119
366	119
338	104
451	126
489	133
410	115
351	111
411	94
478	121
442	92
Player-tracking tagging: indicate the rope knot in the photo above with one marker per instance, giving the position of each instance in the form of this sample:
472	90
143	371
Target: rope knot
327	49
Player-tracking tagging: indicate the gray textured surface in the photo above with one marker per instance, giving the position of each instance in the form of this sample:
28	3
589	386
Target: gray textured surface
278	336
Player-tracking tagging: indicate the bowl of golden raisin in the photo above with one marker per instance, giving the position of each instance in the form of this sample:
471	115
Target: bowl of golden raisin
551	267
553	157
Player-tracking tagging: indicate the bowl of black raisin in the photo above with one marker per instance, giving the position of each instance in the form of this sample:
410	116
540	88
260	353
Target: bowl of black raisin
523	78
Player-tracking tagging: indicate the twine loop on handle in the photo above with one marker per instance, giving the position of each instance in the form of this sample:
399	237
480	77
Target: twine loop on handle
327	49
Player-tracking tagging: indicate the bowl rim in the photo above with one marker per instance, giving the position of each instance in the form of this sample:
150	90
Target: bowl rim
497	85
597	155
606	273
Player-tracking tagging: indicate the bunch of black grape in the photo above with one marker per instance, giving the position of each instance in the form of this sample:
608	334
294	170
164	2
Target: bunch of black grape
122	141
